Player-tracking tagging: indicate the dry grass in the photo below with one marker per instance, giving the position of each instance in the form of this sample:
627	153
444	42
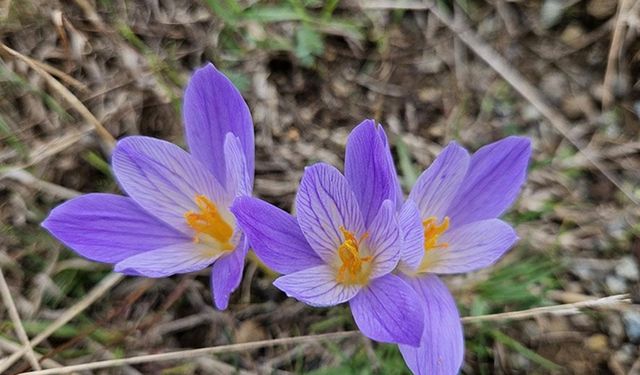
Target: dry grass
76	75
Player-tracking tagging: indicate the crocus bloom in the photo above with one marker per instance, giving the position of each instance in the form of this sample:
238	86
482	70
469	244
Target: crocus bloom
176	216
450	226
345	241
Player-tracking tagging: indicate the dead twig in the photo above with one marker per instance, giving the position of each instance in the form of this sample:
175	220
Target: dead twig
183	354
10	346
98	291
614	52
509	74
17	323
571	308
28	179
67	95
564	309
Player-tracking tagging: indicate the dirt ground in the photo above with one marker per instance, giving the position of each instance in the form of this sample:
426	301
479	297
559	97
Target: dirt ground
565	73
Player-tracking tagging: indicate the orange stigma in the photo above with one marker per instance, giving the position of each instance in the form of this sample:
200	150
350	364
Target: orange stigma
209	222
355	269
433	231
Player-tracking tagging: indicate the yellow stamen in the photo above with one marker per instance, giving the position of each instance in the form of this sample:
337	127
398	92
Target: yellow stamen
433	231
354	269
209	222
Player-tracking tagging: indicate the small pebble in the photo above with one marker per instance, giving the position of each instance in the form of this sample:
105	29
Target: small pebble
628	268
631	320
597	343
616	284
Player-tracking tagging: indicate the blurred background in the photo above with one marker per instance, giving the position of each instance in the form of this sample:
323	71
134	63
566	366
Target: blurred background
565	73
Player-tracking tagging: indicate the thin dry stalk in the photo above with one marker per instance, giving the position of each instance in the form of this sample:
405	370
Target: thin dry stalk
28	179
11	347
97	292
183	354
615	301
67	95
17	323
610	302
481	48
62	75
526	89
614	52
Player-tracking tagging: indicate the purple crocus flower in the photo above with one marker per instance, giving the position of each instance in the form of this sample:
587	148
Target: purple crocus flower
176	216
345	241
450	226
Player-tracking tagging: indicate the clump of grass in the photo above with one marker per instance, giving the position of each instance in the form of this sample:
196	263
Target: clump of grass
306	38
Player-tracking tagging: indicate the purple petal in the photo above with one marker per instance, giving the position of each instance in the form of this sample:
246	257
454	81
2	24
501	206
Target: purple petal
275	236
471	247
437	186
180	258
238	177
496	173
412	249
371	176
388	310
109	228
441	349
164	179
212	108
391	167
324	204
316	286
226	274
383	242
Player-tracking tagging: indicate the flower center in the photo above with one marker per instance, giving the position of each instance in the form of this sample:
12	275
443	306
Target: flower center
354	269
209	224
433	231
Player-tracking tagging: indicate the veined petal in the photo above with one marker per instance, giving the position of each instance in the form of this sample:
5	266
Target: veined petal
274	235
441	349
496	174
212	108
181	258
238	177
388	310
109	228
471	247
437	186
324	204
383	242
392	167
371	176
412	249
163	179
226	274
316	286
